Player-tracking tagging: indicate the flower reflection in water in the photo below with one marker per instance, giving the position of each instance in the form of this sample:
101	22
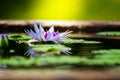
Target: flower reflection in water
33	53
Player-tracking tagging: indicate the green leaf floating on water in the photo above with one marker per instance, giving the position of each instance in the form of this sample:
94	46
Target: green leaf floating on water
107	52
55	61
21	36
78	41
109	33
42	61
110	56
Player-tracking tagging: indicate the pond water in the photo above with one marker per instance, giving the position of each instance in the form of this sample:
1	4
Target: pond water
70	52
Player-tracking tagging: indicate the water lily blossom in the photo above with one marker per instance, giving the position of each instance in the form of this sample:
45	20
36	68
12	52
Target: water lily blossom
40	35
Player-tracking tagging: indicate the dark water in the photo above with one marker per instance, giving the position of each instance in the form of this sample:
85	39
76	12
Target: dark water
85	49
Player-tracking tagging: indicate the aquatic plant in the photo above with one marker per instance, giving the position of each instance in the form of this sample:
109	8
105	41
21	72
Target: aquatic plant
4	42
40	35
104	60
21	37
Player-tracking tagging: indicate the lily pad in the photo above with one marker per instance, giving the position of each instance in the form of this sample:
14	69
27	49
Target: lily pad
107	52
108	56
109	33
78	41
55	61
19	36
41	61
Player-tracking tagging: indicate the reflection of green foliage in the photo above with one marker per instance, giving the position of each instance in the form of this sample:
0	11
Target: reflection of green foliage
77	41
109	33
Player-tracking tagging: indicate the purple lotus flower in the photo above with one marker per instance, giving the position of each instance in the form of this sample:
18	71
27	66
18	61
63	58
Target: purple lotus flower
43	36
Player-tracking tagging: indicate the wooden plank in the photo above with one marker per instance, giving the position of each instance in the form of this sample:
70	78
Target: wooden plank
75	26
53	74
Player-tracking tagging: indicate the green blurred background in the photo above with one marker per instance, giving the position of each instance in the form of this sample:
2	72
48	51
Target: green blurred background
60	9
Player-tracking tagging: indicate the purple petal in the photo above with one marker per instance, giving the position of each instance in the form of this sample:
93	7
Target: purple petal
65	33
56	37
29	33
55	33
59	39
34	34
46	33
49	37
36	28
41	33
41	29
62	37
51	30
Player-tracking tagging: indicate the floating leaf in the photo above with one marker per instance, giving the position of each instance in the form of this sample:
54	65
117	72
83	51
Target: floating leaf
107	52
21	36
49	61
78	41
109	33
